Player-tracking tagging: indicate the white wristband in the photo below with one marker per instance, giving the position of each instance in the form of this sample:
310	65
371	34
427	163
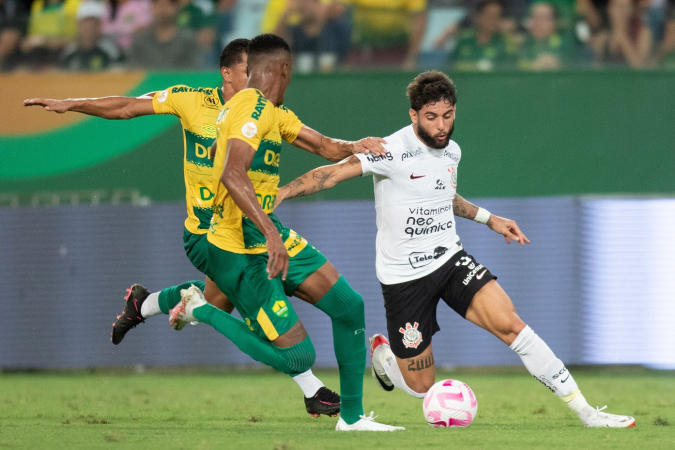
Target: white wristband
482	216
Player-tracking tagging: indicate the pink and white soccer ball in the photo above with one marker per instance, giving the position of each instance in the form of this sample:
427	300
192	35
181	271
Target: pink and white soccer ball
450	403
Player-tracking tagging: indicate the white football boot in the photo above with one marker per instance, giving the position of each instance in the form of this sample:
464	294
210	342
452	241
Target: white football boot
380	343
595	418
181	314
365	423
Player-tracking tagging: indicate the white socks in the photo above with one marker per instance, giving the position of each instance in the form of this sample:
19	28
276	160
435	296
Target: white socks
549	370
308	383
388	361
150	306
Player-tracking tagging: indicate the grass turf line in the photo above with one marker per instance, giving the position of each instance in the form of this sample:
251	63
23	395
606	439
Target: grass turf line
264	410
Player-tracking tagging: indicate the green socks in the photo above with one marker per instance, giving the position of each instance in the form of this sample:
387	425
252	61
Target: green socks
290	360
345	308
169	297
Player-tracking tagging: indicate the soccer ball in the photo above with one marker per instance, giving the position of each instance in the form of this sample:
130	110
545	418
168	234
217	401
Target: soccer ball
450	403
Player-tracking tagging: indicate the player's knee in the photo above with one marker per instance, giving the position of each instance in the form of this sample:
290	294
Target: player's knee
300	357
342	302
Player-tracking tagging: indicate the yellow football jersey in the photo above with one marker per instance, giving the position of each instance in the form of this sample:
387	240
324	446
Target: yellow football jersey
249	117
198	110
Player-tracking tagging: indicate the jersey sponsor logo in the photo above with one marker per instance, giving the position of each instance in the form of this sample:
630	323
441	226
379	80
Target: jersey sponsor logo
451	155
414	177
179	89
472	274
480	275
421	259
205	194
266	202
453	177
411	154
259	107
249	129
272	158
422	226
440	185
412	337
162	96
430	211
375	158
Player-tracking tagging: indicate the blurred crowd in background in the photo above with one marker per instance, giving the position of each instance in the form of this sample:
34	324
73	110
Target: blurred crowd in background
329	35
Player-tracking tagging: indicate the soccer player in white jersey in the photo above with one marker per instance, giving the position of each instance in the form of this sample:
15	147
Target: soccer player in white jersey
420	259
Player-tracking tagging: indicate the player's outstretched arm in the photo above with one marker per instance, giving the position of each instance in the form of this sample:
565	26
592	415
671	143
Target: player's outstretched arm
320	178
239	186
336	149
112	108
506	227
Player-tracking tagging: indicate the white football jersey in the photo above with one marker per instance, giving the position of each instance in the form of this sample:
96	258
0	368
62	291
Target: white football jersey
414	189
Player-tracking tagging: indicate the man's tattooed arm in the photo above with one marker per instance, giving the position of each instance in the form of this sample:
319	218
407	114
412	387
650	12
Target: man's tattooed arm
321	178
462	208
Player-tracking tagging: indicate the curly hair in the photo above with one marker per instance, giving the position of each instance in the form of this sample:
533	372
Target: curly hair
430	87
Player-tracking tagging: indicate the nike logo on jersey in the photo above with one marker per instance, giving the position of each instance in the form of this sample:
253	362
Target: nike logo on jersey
414	177
480	275
562	381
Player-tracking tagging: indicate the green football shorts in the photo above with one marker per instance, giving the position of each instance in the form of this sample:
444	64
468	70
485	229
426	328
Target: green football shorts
196	249
263	303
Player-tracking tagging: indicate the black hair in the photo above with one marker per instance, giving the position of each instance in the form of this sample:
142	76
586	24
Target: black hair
430	87
267	44
233	52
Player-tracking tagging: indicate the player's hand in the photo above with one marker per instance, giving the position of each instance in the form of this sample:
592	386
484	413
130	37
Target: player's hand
281	196
58	106
508	228
278	258
369	145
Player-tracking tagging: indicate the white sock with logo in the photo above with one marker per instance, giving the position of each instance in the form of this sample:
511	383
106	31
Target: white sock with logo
150	306
542	363
309	383
387	359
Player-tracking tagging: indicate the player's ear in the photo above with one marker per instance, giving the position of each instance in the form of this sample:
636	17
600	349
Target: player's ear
226	74
413	116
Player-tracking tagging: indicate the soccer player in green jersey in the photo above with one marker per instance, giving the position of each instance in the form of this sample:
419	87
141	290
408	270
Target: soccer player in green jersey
197	109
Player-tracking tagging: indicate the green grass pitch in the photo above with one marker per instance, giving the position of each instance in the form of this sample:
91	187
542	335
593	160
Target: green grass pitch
260	410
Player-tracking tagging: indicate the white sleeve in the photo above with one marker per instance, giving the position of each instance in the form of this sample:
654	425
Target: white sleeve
377	165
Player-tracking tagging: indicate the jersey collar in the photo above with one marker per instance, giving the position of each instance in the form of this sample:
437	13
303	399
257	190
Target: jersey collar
220	95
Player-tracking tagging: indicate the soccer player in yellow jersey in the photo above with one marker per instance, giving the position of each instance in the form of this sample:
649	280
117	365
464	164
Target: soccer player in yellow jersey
249	249
198	110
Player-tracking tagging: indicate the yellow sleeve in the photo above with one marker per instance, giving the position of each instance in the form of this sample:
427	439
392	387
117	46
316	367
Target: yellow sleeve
249	120
416	5
176	100
289	124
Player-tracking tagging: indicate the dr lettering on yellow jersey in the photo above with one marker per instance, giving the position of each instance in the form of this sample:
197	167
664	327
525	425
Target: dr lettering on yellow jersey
249	117
197	109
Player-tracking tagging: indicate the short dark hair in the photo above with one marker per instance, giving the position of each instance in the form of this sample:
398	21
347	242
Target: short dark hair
233	52
430	87
266	44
